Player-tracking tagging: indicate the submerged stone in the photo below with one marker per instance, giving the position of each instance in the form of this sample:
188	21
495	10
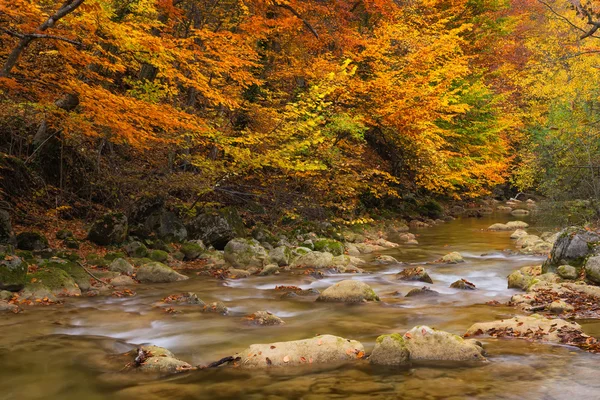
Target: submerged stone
348	291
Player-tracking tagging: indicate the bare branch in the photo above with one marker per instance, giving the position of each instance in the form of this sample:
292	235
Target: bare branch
297	15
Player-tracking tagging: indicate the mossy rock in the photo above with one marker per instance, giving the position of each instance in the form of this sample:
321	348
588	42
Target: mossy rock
348	291
573	246
31	241
110	229
13	272
96	261
136	249
56	280
390	350
114	255
81	278
159	244
217	228
141	261
192	250
330	246
64	234
71	243
245	253
67	255
25	255
122	266
159	255
156	272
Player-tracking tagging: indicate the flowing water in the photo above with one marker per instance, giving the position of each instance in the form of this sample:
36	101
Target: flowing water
66	351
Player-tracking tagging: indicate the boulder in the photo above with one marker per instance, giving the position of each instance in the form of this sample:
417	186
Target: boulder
451	258
155	272
13	273
269	269
136	249
559	307
263	318
517	225
386	243
592	269
463	284
567	272
423	343
330	246
31	241
168	227
234	273
217	228
414	274
523	278
280	255
159	255
572	247
534	327
122	266
75	271
49	282
122	280
498	227
192	249
110	229
323	349
519	233
314	259
422	292
245	253
348	291
7	236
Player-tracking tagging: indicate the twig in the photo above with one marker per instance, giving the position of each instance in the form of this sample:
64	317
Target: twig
90	274
222	361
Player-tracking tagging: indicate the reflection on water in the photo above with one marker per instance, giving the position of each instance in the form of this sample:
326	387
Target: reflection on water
61	352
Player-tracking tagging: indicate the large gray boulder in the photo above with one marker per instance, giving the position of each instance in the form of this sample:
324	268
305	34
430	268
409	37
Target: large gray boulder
110	229
156	272
167	226
592	269
348	291
323	349
217	228
49	282
423	343
330	246
122	266
573	246
7	236
13	273
314	259
245	253
280	255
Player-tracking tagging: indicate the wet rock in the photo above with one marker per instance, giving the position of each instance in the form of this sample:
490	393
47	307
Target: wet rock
31	241
406	237
49	282
567	272
263	318
572	247
534	327
13	273
280	255
504	209
314	259
346	261
245	253
592	269
519	211
423	343
414	274
74	270
136	249
155	272
422	292
159	255
451	258
418	224
110	229
517	225
5	306
122	280
386	243
329	246
463	284
270	269
348	291
386	260
217	228
524	278
368	248
519	233
238	273
192	249
324	349
7	236
293	291
498	227
154	359
216	307
122	266
188	298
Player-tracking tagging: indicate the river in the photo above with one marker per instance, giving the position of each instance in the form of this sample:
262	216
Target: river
62	351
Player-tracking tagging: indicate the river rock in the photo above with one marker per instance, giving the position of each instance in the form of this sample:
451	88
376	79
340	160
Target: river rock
498	227
423	343
422	292
122	280
368	248
414	274
192	249
463	284
74	270
386	243
5	306
159	255
263	318
504	208
352	250
517	225
234	273
122	266
519	233
217	228
592	269
383	259
524	278
534	327
572	247
217	307
155	272
519	211
31	241
451	258
49	282
324	349
567	272
348	291
7	236
158	360
314	259
110	229
329	246
167	226
245	253
269	269
13	273
136	249
280	255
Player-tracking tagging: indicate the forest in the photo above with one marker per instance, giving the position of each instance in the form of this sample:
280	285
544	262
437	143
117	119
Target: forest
390	171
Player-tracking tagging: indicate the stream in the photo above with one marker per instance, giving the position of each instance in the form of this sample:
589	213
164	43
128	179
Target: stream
60	351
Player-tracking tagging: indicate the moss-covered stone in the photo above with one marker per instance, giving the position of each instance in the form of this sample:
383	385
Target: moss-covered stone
156	272
331	246
96	261
63	234
113	255
136	249
192	250
217	228
390	350
71	243
13	271
159	255
110	229
245	253
122	266
31	241
57	280
348	291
